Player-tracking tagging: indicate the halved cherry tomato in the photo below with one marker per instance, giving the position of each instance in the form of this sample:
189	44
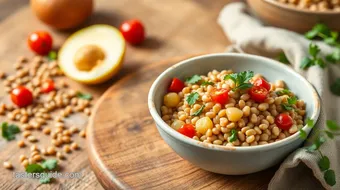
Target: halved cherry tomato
40	42
21	96
284	121
258	93
176	85
187	130
220	95
133	31
47	86
262	82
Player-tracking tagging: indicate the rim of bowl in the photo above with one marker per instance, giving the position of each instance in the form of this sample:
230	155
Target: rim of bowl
291	8
184	139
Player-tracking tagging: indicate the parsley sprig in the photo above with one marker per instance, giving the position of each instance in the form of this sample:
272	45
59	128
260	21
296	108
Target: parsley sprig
290	102
194	79
241	79
8	131
314	58
331	38
282	58
233	136
199	111
84	96
192	98
47	165
206	83
333	129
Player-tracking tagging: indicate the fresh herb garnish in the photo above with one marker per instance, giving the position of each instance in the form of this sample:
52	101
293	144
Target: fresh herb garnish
283	92
329	177
335	87
50	164
42	169
314	58
206	83
324	162
303	134
319	30
84	96
332	125
34	168
194	79
334	57
241	79
310	122
52	55
290	102
282	58
233	136
45	178
192	98
199	111
9	131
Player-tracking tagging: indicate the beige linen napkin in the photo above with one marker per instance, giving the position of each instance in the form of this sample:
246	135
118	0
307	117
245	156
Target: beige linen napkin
299	170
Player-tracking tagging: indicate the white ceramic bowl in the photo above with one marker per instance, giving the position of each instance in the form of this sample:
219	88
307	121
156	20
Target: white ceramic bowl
223	159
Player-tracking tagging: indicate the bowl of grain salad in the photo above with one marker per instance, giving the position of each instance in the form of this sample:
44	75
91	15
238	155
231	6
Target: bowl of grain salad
297	15
232	113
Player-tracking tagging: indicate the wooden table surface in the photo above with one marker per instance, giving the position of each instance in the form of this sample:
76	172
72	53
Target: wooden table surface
174	28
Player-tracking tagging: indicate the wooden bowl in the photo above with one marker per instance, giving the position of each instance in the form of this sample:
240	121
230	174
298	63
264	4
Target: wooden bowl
292	18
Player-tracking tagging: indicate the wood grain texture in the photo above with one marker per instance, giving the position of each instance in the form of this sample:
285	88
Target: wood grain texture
126	151
174	27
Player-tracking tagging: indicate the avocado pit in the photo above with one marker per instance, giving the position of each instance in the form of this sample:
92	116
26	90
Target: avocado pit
88	57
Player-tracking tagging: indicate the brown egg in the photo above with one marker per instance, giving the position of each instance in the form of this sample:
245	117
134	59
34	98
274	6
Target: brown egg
62	14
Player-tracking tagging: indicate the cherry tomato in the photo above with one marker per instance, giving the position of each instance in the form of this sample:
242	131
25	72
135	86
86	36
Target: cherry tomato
284	121
220	95
262	82
47	86
133	31
258	93
21	96
176	85
40	42
187	130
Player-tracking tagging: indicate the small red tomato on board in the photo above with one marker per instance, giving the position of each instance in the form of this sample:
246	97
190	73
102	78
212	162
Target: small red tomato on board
258	93
133	31
263	83
21	96
40	42
176	85
187	130
220	96
284	121
47	86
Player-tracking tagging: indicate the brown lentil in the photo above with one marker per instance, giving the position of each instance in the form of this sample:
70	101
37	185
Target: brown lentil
8	165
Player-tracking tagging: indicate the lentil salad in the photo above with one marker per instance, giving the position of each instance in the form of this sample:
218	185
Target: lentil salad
232	109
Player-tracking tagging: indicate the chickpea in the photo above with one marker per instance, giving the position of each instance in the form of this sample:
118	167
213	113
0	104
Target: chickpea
234	114
203	124
171	100
177	124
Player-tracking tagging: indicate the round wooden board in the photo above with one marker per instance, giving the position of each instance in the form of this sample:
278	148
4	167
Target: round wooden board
126	151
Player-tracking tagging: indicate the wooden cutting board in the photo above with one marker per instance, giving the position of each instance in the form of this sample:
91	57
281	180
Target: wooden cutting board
126	151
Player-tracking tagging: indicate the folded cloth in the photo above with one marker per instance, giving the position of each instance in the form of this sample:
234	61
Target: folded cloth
300	169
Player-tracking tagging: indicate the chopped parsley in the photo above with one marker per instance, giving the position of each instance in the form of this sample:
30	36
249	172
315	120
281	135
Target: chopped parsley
199	111
9	130
233	136
84	96
194	79
241	79
192	98
206	83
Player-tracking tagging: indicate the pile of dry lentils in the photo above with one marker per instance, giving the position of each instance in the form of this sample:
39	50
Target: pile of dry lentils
314	5
46	110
